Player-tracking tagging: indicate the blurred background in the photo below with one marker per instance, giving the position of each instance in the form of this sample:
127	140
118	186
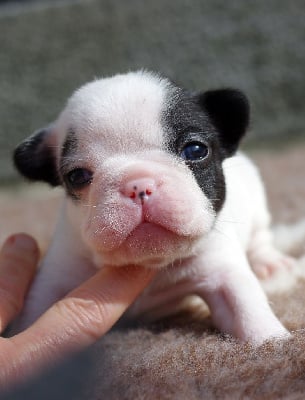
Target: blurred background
49	48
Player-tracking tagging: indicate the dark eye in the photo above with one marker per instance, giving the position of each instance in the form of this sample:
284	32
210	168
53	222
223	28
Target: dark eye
194	151
78	178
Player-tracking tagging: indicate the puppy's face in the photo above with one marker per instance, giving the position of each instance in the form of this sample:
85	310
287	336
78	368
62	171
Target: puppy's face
141	163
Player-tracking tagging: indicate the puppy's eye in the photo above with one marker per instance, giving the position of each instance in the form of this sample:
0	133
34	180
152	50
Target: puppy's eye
78	178
194	151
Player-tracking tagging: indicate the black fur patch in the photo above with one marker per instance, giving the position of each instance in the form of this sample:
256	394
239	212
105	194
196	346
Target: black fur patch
70	145
229	111
35	160
214	120
69	148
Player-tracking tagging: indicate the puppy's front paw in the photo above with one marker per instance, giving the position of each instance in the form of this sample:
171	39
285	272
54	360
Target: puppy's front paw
265	263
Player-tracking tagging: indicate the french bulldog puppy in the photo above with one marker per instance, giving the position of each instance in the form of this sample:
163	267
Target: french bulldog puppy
151	177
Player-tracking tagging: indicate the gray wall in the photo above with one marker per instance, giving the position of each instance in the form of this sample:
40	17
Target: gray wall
257	46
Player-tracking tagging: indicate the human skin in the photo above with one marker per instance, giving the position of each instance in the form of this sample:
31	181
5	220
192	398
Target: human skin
71	324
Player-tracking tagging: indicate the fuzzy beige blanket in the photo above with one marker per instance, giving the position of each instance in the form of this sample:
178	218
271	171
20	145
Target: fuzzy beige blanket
178	359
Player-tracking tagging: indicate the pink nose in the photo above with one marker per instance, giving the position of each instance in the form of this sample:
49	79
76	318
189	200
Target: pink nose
140	189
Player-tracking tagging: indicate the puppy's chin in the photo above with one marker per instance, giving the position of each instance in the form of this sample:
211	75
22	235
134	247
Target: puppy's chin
149	245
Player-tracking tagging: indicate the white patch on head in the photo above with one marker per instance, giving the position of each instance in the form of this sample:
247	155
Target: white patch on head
126	108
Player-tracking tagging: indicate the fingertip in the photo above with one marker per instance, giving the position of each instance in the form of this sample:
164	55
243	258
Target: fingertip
21	242
18	263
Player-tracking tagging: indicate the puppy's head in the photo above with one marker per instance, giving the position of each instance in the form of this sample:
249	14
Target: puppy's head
141	163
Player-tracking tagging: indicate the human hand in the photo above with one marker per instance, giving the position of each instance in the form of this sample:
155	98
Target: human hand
71	324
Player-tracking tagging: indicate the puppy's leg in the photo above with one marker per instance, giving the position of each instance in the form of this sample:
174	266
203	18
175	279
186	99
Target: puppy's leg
237	302
246	191
263	257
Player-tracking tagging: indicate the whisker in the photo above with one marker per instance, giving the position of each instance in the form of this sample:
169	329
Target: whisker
99	230
222	233
231	222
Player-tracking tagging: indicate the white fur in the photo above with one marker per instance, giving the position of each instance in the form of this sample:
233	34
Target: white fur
109	109
117	122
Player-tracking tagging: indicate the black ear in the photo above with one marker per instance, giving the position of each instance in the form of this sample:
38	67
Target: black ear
35	157
229	111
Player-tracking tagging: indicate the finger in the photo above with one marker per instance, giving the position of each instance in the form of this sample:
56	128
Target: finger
82	316
18	261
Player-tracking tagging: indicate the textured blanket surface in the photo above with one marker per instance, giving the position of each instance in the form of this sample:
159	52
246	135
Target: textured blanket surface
182	359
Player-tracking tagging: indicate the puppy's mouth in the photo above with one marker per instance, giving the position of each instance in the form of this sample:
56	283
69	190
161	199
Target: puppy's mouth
162	227
151	244
150	233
